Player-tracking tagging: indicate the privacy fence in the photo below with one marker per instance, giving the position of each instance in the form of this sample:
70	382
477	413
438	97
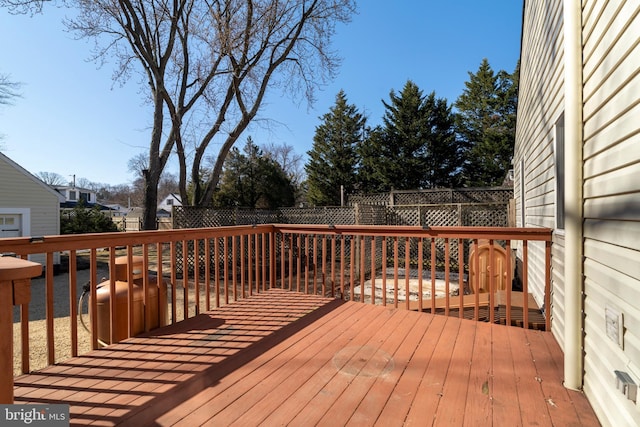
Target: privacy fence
484	207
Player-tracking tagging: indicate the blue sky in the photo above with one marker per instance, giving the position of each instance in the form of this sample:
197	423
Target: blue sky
72	119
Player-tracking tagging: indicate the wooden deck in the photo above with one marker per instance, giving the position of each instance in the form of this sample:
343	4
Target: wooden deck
283	358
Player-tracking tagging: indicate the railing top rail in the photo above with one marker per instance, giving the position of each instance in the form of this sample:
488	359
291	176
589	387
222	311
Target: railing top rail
32	245
497	233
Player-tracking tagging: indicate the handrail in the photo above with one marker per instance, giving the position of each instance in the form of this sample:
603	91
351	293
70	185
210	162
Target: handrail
215	266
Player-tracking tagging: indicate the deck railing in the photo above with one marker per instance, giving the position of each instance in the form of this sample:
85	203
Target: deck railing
204	268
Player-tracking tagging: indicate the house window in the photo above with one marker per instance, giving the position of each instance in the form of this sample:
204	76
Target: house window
73	195
169	202
559	169
85	197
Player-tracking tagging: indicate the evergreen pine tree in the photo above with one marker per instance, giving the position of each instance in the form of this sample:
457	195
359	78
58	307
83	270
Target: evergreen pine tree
416	148
251	179
485	122
333	159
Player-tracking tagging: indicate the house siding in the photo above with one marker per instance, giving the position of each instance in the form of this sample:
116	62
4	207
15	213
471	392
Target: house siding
22	191
540	104
611	40
611	188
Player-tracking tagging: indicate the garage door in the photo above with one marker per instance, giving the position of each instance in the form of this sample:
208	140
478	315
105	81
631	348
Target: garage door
10	225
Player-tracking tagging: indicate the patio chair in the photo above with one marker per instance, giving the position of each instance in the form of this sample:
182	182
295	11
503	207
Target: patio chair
484	269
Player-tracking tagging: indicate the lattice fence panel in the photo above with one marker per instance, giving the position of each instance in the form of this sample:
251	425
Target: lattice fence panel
430	197
437	196
322	215
403	215
440	215
482	195
494	215
372	215
369	199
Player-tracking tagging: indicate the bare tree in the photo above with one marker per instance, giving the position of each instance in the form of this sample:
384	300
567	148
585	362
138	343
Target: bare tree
290	161
8	90
51	178
24	6
208	64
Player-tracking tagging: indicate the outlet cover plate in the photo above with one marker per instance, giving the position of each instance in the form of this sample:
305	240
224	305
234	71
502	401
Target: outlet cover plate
614	325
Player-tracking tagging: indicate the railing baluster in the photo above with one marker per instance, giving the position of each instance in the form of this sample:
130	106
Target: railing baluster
130	309
476	280
196	274
395	270
282	260
272	260
234	267
420	266
49	309
255	261
185	278
433	274
216	268
333	265
24	333
315	264
361	253
352	259
342	265
460	278
324	265
307	263
174	280
299	262
384	270
73	297
525	284
547	286
226	258
509	281
243	265
93	304
145	287
447	262
112	291
24	336
492	282
407	271
373	269
207	273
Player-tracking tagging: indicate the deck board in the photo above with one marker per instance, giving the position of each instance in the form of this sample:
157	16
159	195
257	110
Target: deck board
285	358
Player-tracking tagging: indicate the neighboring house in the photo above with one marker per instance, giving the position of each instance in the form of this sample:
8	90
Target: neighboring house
577	171
167	204
116	210
72	195
28	207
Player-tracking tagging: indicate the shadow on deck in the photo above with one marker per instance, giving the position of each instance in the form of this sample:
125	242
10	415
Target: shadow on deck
283	357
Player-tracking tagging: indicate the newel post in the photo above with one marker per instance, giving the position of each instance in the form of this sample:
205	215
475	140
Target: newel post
15	289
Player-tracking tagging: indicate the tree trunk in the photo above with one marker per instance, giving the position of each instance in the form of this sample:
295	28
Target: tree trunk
150	205
152	175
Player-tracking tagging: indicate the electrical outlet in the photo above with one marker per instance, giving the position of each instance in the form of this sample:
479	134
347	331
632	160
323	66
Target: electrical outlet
614	325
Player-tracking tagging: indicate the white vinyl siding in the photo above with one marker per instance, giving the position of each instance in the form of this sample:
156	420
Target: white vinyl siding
611	200
611	184
540	105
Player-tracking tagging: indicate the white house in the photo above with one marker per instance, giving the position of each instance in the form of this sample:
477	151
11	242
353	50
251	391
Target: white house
72	195
28	207
577	170
168	203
